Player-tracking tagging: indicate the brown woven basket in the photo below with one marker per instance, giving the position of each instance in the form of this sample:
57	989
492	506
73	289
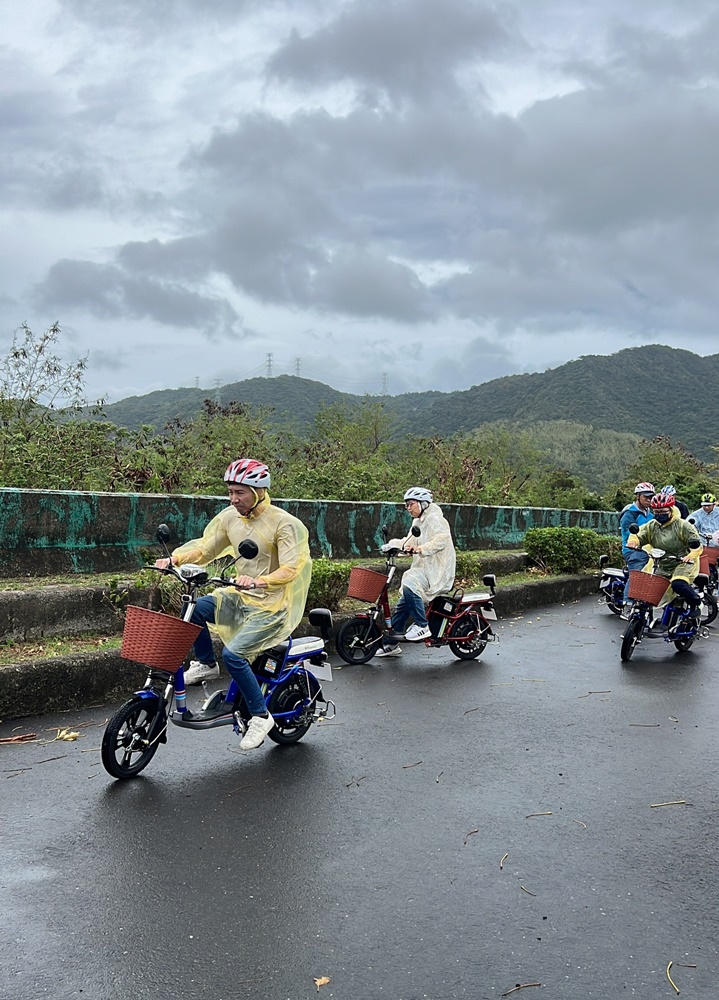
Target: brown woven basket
709	557
365	584
647	587
158	640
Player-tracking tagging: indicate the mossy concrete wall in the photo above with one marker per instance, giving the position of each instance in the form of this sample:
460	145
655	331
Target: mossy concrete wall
45	532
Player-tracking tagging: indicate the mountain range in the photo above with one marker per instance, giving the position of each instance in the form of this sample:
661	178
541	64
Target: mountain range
651	390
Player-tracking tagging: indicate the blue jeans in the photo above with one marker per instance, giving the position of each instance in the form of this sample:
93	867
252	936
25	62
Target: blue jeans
410	605
635	559
237	667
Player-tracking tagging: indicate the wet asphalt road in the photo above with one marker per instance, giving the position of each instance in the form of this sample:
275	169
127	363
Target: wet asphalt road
394	850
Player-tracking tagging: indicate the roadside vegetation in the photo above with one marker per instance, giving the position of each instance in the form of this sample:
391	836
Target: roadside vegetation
52	438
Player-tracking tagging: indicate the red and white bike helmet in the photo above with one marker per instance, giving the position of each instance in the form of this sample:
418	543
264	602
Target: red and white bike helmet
645	488
248	472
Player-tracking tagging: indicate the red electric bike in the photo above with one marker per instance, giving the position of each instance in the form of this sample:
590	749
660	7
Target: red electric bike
459	620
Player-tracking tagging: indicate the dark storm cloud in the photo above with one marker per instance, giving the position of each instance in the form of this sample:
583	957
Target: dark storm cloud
407	48
108	292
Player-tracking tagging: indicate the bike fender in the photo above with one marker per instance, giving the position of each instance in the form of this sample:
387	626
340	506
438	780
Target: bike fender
147	694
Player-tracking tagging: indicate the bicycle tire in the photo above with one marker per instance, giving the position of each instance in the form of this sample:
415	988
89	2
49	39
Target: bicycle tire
128	733
357	640
630	638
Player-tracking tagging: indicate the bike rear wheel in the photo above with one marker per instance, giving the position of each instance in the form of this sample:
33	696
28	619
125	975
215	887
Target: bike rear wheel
709	608
468	649
287	697
357	640
630	638
126	746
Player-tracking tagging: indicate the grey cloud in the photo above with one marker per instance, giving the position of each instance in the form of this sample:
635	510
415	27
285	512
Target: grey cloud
106	291
365	284
136	15
408	48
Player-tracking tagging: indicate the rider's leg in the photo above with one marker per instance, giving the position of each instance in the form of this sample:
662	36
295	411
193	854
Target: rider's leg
203	613
410	605
239	669
636	559
204	666
684	589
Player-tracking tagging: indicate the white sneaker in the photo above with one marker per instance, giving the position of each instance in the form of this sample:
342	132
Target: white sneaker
415	633
389	651
257	729
198	672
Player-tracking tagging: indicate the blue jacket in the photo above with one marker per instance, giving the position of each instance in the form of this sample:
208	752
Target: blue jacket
705	523
632	515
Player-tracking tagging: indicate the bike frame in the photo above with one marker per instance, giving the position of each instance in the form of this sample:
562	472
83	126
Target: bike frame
286	664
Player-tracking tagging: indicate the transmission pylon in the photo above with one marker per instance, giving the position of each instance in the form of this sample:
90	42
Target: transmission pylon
268	361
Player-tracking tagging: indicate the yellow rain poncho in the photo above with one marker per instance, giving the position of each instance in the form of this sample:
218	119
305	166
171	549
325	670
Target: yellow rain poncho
248	621
432	569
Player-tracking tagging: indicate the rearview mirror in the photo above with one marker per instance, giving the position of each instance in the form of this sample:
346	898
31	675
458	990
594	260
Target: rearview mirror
695	544
247	549
163	534
634	528
416	531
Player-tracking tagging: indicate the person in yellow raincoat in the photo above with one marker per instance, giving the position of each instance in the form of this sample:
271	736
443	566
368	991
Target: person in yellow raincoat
431	572
276	581
670	532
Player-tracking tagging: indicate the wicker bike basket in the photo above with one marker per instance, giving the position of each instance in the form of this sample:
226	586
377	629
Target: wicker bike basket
158	640
646	587
709	557
365	584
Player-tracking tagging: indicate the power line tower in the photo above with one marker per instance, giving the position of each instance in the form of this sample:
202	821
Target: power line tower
197	381
217	384
268	362
384	383
298	367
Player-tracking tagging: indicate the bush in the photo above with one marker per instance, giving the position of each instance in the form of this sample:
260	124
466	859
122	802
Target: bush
330	578
469	568
569	550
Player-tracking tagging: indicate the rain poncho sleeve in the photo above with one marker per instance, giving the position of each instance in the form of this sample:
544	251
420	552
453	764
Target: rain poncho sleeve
432	570
249	621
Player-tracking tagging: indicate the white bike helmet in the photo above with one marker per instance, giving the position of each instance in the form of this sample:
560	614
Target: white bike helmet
421	495
644	488
248	472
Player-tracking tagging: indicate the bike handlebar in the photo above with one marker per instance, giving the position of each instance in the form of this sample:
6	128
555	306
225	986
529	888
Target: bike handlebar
212	580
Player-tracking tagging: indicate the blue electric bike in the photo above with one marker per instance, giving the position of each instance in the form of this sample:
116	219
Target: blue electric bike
289	676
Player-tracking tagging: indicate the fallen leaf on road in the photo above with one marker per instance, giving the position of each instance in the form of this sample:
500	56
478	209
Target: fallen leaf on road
322	981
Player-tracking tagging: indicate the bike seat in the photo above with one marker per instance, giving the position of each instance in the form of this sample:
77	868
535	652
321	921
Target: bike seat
612	571
476	596
306	645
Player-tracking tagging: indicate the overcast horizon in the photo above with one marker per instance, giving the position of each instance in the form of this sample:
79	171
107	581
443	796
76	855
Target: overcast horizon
381	195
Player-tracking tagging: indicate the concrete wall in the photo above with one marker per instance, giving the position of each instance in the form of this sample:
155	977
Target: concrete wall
53	531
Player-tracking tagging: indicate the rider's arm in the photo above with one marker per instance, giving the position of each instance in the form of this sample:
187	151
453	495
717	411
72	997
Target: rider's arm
213	544
440	539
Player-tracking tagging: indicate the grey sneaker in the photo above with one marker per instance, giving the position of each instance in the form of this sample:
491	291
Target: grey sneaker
389	651
416	633
257	729
198	672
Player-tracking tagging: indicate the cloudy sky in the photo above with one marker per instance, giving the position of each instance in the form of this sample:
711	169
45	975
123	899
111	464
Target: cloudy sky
399	194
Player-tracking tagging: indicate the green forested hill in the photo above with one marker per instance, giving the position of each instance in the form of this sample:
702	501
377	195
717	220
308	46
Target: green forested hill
646	390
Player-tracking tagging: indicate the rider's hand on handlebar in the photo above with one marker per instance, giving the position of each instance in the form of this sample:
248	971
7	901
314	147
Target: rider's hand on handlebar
688	559
249	583
163	563
413	549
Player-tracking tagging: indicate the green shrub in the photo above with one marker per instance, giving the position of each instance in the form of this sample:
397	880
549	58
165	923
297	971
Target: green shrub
469	567
329	583
569	550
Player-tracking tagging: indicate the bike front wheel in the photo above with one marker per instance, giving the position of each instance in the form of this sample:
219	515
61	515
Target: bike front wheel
468	648
683	645
357	640
127	746
289	697
630	638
